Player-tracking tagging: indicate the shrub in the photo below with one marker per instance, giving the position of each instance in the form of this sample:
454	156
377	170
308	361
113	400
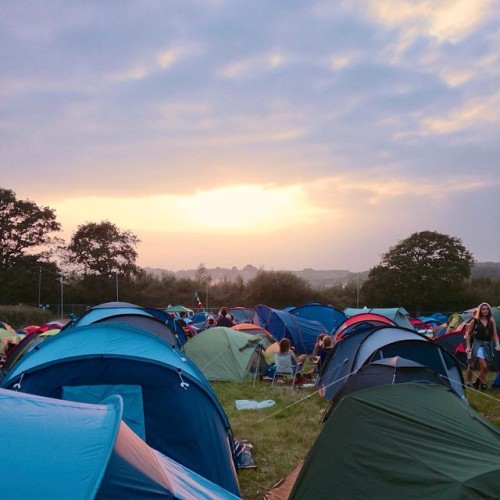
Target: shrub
20	316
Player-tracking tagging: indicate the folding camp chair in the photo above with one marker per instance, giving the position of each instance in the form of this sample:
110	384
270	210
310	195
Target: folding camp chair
285	367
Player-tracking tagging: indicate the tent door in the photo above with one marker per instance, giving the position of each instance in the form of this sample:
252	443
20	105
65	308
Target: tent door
133	408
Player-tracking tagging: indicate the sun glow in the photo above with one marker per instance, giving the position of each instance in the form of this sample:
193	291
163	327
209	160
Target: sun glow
239	209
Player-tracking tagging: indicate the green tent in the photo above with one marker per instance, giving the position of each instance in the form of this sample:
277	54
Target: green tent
410	440
178	309
228	355
454	321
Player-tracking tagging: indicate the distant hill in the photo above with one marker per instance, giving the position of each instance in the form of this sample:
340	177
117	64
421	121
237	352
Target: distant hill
317	278
486	269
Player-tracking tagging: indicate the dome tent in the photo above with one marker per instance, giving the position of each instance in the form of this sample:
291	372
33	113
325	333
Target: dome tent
65	449
409	440
226	354
365	346
167	400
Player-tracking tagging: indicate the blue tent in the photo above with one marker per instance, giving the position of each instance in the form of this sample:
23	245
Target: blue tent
366	346
167	400
62	449
328	316
150	319
302	333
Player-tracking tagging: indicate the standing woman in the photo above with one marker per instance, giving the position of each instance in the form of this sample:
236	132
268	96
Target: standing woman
479	337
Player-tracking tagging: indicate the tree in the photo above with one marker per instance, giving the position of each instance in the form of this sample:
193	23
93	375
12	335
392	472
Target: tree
101	249
424	272
278	289
228	292
31	281
24	227
341	295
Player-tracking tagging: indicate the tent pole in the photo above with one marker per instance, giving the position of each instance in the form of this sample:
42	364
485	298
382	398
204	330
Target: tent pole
257	368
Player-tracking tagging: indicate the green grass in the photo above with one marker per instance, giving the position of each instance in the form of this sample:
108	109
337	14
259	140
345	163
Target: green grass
487	403
283	434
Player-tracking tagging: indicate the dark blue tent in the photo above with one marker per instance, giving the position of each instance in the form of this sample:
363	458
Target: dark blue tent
368	345
328	316
394	370
62	449
167	400
302	333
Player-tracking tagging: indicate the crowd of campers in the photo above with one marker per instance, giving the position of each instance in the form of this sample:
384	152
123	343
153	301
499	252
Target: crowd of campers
139	379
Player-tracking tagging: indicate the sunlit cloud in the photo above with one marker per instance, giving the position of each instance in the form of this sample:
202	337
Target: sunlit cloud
475	112
340	61
447	20
168	57
164	59
456	71
254	65
381	189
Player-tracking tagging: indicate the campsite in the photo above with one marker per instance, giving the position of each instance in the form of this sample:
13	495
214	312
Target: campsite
204	414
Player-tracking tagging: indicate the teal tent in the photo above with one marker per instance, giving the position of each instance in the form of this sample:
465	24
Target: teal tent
399	315
166	400
62	449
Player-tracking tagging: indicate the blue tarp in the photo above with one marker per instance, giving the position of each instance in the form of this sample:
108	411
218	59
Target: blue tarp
302	333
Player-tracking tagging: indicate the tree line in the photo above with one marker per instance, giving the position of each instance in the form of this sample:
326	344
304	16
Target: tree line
426	272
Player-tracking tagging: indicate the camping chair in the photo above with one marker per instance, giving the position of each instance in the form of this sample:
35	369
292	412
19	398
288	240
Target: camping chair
285	367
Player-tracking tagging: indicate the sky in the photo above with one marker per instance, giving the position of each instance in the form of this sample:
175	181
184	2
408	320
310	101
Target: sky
281	134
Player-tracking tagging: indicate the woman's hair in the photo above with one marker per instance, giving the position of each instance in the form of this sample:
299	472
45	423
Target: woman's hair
321	336
284	345
477	312
327	342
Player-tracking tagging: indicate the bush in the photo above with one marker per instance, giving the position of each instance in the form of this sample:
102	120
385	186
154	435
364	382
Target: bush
20	316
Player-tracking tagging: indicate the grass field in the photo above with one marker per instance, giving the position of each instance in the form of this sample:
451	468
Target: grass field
282	434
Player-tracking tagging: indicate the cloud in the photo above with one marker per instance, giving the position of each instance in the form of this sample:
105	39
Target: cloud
254	65
363	119
447	20
472	114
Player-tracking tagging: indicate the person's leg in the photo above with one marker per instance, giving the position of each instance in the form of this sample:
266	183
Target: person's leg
469	374
483	372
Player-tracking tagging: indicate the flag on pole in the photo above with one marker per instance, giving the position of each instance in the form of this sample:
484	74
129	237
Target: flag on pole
200	305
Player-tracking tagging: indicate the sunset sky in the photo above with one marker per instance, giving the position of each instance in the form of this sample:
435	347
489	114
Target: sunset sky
283	134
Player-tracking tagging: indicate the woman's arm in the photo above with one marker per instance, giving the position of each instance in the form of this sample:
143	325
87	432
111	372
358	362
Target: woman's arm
468	332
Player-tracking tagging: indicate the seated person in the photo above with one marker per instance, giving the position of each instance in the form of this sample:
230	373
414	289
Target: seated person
181	322
317	346
323	352
223	319
286	347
